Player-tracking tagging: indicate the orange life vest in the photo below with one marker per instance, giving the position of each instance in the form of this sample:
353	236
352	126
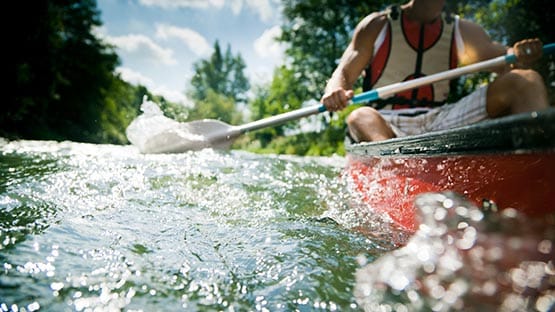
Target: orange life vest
406	50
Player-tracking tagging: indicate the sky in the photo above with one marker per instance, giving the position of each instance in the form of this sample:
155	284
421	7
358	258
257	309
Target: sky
158	41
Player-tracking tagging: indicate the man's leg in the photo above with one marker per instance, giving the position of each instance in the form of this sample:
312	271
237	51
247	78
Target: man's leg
521	90
366	125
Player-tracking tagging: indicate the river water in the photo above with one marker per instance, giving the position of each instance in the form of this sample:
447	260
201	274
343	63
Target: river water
88	227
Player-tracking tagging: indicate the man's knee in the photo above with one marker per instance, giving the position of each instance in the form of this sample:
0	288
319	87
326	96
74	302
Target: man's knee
519	79
364	116
517	91
527	78
367	124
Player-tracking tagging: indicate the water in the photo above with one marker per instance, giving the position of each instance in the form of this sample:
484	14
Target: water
99	227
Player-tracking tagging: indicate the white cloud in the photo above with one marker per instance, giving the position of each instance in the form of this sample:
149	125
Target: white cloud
172	95
136	78
195	41
267	47
172	4
262	7
270	53
144	47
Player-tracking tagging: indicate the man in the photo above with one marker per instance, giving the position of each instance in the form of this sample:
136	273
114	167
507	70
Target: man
416	39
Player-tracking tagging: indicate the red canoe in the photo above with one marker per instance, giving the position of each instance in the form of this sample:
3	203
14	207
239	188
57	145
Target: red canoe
502	163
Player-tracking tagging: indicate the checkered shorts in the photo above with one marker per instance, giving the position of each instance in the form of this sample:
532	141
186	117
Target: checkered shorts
469	109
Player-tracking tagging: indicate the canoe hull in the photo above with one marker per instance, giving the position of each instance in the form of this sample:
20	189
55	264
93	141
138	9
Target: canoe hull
522	181
519	174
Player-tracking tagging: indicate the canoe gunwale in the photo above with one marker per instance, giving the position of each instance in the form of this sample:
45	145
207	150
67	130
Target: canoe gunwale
521	133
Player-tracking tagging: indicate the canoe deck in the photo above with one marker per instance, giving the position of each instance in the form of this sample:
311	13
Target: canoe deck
505	162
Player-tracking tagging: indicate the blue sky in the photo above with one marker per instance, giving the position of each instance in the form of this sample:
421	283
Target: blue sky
159	40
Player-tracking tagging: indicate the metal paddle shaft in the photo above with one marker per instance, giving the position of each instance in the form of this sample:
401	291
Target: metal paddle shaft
217	134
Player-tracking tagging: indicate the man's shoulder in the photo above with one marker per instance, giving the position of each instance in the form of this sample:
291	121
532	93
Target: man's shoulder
468	25
374	20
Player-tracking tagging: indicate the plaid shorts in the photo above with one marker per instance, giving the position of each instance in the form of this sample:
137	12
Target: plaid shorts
467	110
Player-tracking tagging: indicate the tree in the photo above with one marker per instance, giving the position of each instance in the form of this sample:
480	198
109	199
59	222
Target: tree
510	21
221	73
219	86
317	32
216	106
59	72
285	93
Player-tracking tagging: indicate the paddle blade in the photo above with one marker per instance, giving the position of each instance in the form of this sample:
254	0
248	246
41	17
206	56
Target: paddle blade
154	133
185	137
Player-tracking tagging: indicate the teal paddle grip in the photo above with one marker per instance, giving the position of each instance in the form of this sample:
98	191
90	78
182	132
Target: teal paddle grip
368	96
547	49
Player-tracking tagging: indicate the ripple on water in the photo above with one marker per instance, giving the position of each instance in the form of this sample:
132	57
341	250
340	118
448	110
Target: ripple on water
103	227
201	230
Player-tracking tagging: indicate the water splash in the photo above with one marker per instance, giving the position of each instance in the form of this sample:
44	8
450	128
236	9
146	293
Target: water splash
461	259
101	227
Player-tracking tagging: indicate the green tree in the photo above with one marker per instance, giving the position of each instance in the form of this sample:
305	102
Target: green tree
59	72
317	32
284	93
120	107
216	106
510	21
219	87
221	73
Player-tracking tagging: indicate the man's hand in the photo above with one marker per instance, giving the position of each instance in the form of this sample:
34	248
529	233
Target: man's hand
337	99
527	52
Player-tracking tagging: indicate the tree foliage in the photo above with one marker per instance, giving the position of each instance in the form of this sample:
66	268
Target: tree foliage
317	32
60	74
221	73
510	21
219	87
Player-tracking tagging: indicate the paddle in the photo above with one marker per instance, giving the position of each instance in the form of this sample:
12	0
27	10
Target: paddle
206	133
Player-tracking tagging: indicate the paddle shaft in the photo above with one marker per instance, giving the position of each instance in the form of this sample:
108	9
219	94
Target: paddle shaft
383	92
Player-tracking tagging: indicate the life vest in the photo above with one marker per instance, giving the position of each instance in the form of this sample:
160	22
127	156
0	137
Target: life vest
405	50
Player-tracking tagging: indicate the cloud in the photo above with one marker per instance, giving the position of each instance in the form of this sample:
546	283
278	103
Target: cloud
172	4
263	8
137	78
270	53
134	77
196	42
267	47
143	46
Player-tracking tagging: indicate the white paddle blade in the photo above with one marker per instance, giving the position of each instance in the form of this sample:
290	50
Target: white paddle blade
152	132
180	137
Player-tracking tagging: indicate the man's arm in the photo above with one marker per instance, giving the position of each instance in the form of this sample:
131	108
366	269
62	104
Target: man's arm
478	46
356	57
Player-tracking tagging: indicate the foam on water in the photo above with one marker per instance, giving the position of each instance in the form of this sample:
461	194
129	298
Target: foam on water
104	227
101	227
461	259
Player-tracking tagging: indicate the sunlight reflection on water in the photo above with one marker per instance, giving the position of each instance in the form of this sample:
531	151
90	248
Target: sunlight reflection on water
100	227
104	227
